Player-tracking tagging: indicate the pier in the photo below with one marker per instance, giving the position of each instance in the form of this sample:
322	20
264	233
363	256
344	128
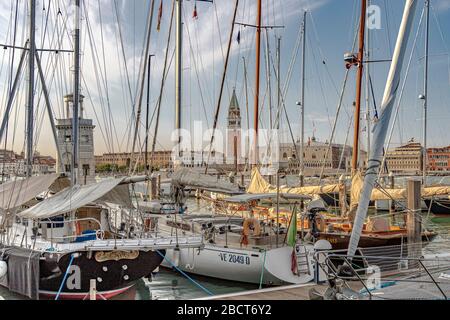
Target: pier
294	292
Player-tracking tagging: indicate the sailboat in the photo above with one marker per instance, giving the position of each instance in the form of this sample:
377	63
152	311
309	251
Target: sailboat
58	238
236	248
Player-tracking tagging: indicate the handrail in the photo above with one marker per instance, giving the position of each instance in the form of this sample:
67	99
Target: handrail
330	268
48	221
101	232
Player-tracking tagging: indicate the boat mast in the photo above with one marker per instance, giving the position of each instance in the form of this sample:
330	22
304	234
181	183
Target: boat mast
257	83
31	78
382	125
360	58
425	92
76	94
222	86
278	76
368	124
302	102
147	118
178	73
269	79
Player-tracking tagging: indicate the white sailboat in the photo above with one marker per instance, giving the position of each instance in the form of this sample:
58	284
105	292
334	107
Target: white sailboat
265	259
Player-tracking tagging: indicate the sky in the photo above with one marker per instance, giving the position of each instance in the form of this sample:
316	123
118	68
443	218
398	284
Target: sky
113	34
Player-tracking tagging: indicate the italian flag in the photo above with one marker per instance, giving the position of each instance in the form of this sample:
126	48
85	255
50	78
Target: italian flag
292	242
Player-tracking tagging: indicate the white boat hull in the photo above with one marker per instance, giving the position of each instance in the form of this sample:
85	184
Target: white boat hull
242	265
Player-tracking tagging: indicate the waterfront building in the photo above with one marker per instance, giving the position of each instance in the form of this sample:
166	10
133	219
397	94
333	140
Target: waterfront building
439	159
335	158
405	160
161	160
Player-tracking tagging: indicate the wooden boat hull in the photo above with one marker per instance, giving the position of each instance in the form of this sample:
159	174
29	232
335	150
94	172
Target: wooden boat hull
340	241
115	272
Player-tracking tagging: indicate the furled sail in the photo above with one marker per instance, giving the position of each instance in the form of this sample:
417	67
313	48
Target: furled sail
259	185
114	191
381	126
16	193
189	178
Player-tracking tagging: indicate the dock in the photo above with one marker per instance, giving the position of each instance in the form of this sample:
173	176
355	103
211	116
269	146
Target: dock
293	292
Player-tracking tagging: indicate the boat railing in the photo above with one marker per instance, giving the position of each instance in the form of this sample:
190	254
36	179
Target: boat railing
99	234
379	275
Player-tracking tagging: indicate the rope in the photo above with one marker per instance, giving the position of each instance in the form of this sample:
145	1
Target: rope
184	274
65	277
262	270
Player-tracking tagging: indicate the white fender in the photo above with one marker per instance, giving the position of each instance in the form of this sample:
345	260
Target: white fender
3	269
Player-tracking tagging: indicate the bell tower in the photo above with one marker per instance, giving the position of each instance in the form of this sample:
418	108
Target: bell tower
86	168
234	131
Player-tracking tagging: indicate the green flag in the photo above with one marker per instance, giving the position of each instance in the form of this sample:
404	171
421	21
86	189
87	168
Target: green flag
292	232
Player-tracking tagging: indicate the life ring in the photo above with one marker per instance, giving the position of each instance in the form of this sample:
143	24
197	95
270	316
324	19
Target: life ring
252	224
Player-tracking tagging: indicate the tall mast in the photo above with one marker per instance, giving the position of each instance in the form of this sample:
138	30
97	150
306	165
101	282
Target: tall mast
76	94
269	79
279	76
31	77
368	124
362	29
147	118
178	72
257	83
425	92
302	102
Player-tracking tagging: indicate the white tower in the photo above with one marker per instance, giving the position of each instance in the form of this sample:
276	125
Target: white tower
86	169
234	131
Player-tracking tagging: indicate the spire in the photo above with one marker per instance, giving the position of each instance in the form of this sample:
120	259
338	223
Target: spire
234	104
234	112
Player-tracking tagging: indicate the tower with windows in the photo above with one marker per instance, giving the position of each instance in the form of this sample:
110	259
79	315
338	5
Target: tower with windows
86	167
234	132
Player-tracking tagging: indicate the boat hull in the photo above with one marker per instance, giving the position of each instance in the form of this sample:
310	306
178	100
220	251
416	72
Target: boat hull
115	272
240	265
438	206
340	241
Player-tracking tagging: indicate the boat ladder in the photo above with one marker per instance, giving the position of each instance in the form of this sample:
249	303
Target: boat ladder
303	261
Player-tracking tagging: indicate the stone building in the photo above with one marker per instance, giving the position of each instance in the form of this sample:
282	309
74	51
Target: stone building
162	159
315	157
86	163
439	159
405	160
